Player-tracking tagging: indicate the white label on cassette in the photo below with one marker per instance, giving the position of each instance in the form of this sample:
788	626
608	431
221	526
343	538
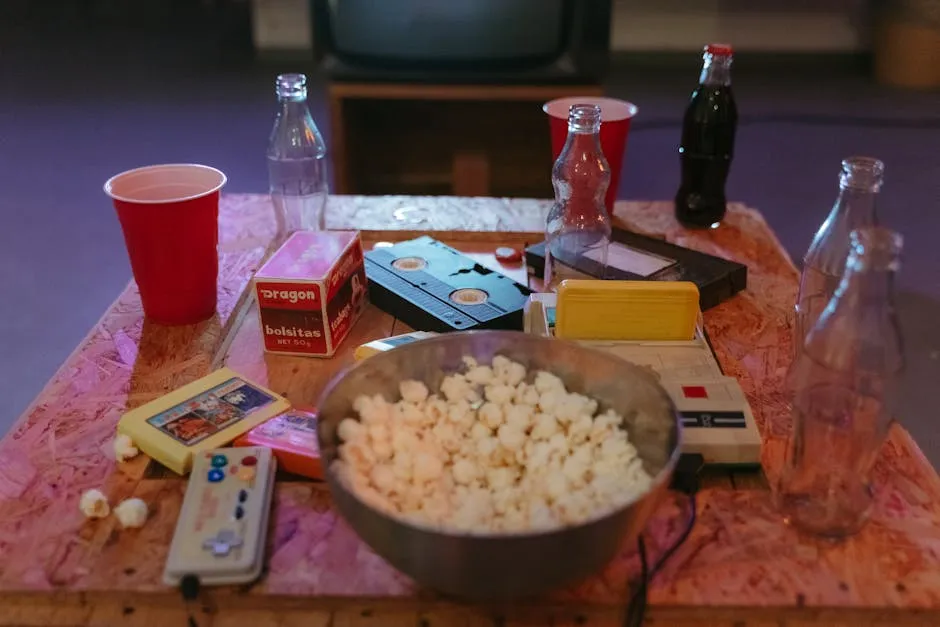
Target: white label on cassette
632	260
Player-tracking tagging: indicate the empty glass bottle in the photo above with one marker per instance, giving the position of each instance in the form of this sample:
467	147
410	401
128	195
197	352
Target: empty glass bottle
577	232
844	385
824	263
296	161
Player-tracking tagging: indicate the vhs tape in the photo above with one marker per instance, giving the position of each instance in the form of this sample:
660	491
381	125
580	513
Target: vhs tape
432	287
635	257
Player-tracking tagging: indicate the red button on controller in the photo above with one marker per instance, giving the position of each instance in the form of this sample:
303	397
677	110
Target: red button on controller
251	460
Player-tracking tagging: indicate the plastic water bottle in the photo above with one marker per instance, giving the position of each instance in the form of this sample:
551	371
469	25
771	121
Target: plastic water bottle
297	168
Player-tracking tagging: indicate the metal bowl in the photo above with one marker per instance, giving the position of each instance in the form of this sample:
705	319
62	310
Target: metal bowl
507	566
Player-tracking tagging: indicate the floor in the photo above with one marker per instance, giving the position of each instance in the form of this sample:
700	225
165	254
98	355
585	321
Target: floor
77	107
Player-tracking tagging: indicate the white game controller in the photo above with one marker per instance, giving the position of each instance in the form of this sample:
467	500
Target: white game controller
220	534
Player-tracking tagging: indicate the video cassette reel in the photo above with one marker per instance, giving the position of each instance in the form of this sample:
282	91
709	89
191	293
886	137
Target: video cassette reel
432	287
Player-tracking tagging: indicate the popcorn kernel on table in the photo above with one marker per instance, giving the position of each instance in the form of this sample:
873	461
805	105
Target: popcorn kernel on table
131	513
124	448
94	504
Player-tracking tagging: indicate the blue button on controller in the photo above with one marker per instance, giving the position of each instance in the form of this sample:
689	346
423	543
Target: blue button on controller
218	461
216	475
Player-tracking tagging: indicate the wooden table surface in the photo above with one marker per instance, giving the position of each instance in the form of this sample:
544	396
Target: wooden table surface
740	567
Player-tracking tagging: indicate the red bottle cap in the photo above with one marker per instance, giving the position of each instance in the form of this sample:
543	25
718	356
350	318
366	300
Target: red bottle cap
505	254
719	50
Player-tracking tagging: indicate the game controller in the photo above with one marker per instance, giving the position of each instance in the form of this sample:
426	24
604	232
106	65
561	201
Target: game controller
220	534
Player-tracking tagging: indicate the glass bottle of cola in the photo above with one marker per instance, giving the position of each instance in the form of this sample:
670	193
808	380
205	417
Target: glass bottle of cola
707	147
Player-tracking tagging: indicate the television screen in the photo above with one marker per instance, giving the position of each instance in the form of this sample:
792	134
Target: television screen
407	32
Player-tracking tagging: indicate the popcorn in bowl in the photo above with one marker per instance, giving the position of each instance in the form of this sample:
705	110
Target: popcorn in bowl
494	450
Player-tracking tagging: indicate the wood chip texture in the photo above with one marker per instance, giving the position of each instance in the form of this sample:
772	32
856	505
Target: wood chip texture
741	564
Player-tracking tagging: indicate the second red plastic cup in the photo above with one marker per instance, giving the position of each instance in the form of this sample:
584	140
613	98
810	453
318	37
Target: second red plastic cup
170	218
615	125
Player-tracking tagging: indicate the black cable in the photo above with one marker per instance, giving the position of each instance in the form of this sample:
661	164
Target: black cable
636	610
189	589
685	479
680	540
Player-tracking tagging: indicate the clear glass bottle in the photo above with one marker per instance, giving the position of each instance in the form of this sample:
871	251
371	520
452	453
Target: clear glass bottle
577	232
297	168
824	263
844	389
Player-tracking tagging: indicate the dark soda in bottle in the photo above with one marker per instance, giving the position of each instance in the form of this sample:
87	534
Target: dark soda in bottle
707	147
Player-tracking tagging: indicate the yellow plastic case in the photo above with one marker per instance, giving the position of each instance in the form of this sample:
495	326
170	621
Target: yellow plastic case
626	310
202	416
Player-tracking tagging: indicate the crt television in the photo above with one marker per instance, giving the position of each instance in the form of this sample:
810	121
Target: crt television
463	41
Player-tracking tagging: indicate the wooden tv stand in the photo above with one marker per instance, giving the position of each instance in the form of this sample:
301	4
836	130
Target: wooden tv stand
462	140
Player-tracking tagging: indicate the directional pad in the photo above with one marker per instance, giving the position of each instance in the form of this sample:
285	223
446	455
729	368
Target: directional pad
222	543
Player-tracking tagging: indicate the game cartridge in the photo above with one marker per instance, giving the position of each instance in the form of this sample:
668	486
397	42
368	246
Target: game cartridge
203	415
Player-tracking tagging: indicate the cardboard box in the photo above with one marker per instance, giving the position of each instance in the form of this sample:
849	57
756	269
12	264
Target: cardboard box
310	292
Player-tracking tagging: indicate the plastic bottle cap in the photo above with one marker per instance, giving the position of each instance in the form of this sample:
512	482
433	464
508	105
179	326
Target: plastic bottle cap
720	50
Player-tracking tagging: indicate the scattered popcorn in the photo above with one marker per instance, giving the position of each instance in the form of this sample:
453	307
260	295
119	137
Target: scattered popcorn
491	415
124	448
546	381
413	391
530	457
500	394
94	504
480	375
351	430
526	395
131	513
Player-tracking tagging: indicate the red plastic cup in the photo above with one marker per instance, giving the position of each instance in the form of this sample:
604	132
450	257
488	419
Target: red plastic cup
615	124
170	218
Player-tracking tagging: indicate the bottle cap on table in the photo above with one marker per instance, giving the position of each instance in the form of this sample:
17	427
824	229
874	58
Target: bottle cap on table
505	254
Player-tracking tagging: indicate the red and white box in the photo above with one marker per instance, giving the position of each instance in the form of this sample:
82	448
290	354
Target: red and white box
310	292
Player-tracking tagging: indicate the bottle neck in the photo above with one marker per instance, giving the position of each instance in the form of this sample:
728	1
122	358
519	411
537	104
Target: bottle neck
582	141
856	205
716	71
581	174
294	109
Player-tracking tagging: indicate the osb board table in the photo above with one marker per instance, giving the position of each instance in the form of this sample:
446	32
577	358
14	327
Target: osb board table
740	567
